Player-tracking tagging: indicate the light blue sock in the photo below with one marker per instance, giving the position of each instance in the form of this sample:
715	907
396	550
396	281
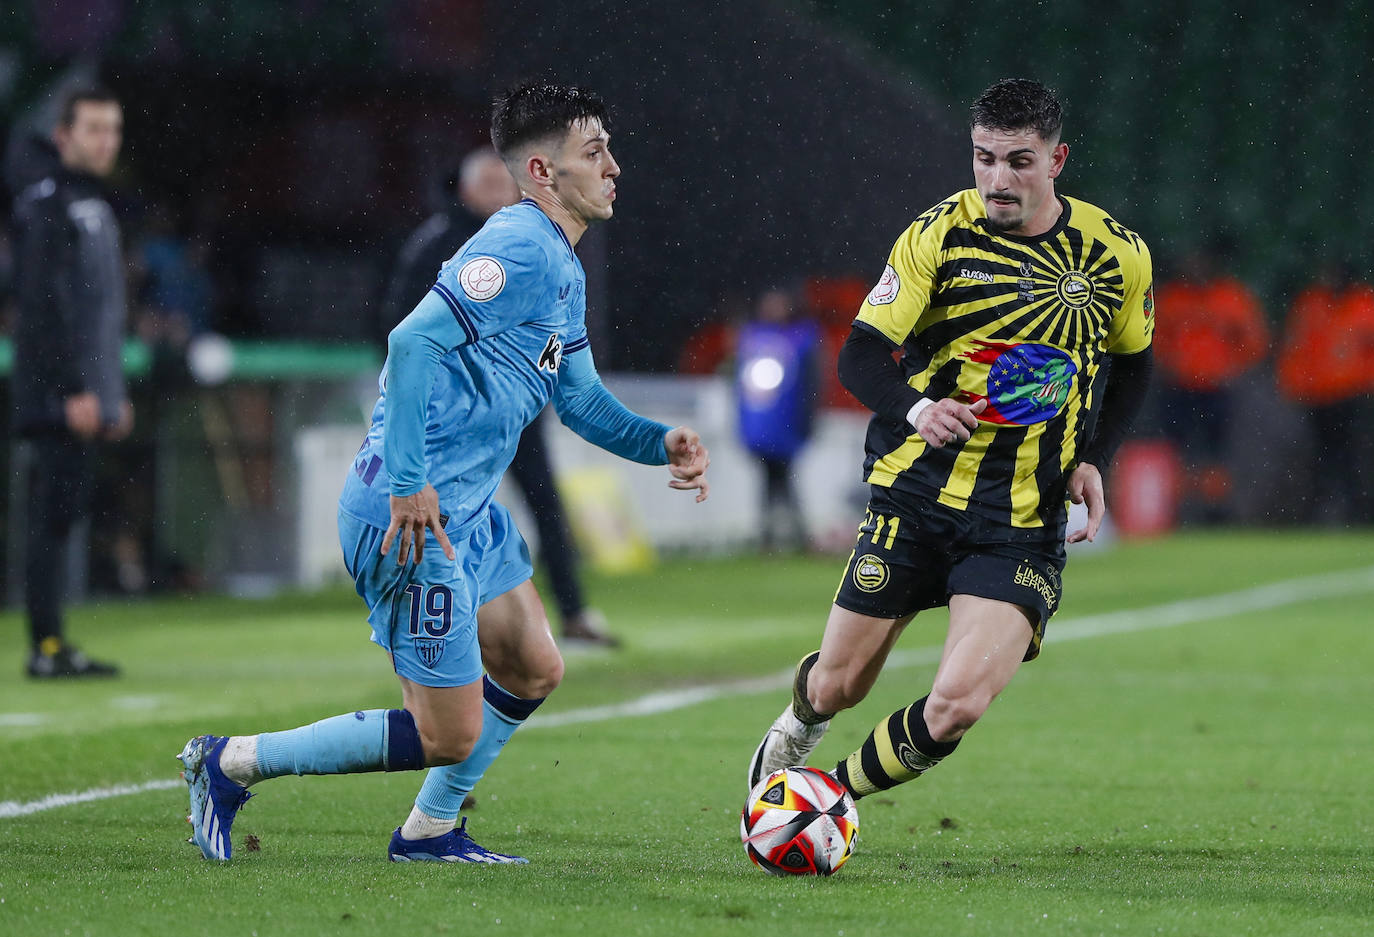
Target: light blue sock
441	796
371	740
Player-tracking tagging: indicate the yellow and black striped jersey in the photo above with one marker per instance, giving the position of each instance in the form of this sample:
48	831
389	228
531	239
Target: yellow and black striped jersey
1022	322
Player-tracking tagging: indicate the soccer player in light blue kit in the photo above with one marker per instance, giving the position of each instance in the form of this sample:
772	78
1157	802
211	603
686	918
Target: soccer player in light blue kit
500	334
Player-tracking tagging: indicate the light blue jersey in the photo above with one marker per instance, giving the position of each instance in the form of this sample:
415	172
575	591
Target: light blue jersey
499	335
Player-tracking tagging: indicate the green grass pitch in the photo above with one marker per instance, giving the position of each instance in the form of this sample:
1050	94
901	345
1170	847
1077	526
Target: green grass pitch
1170	765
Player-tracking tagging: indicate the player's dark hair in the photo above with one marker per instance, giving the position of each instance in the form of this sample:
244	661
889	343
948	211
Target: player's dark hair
538	110
1019	104
86	94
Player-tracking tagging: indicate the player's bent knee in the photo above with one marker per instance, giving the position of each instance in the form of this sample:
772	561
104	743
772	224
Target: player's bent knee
546	679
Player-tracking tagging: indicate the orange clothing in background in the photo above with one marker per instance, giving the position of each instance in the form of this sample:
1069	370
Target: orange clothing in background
1328	347
1208	334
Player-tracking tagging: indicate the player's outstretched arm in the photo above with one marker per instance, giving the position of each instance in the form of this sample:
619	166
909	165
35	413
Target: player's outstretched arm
688	461
591	411
411	516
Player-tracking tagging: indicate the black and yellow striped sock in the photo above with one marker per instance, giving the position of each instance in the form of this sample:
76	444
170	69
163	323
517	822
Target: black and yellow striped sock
801	705
899	749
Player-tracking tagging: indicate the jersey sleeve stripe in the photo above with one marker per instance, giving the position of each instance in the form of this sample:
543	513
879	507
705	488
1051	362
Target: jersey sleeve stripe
576	345
466	323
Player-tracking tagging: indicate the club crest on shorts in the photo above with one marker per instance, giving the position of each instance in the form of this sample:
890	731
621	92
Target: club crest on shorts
430	650
870	573
482	278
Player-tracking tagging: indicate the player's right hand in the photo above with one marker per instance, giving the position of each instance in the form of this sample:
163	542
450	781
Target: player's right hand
411	516
687	461
946	420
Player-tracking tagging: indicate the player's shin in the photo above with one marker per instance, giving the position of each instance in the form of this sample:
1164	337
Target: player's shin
801	703
371	740
441	796
899	749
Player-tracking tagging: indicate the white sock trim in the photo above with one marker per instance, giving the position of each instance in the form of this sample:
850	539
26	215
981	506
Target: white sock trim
420	825
239	760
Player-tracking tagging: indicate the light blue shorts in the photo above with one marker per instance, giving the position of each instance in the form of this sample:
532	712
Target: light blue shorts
426	615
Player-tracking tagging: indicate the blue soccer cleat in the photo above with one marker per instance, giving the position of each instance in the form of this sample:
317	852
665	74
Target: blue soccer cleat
453	846
214	798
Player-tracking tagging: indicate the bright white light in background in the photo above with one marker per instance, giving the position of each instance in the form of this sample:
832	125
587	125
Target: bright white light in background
764	374
210	358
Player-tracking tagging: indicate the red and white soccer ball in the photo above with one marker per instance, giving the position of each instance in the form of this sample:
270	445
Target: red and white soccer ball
799	821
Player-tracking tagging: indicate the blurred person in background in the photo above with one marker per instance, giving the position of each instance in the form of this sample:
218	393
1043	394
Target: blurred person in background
775	388
1326	367
1213	333
482	187
68	380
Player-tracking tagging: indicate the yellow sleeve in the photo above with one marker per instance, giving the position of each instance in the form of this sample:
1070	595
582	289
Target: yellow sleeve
1133	328
902	294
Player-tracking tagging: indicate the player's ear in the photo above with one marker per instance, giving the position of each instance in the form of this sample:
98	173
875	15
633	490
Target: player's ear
539	168
1058	156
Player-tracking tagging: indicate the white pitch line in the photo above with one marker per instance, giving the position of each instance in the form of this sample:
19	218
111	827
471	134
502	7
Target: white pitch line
1168	615
13	808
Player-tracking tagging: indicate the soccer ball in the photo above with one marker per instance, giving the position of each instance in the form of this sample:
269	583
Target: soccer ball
799	821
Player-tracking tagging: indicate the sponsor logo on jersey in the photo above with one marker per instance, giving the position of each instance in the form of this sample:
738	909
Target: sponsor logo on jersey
870	573
1075	289
429	650
1026	268
889	285
1149	300
482	278
552	355
981	275
1027	383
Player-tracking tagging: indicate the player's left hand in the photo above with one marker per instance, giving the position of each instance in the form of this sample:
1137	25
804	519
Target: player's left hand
1085	485
687	460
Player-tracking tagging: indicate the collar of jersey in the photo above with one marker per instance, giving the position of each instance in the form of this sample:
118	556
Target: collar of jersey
535	205
1060	224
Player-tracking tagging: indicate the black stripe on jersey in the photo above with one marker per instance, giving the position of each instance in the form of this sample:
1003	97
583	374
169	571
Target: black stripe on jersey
916	358
945	333
997	469
957	238
1049	477
961	295
949	270
1046	308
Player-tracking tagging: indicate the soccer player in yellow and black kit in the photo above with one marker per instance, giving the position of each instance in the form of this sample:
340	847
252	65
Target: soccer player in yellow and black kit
1024	321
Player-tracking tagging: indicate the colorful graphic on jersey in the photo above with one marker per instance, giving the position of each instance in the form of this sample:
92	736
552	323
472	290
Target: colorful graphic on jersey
1027	383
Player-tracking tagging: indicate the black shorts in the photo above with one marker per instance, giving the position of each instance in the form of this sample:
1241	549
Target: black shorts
914	555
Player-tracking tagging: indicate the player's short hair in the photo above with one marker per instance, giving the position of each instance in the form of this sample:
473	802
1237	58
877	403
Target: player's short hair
85	94
1019	104
539	110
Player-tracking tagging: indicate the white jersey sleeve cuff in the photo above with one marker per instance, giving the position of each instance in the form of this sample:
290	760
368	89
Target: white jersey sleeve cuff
916	409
